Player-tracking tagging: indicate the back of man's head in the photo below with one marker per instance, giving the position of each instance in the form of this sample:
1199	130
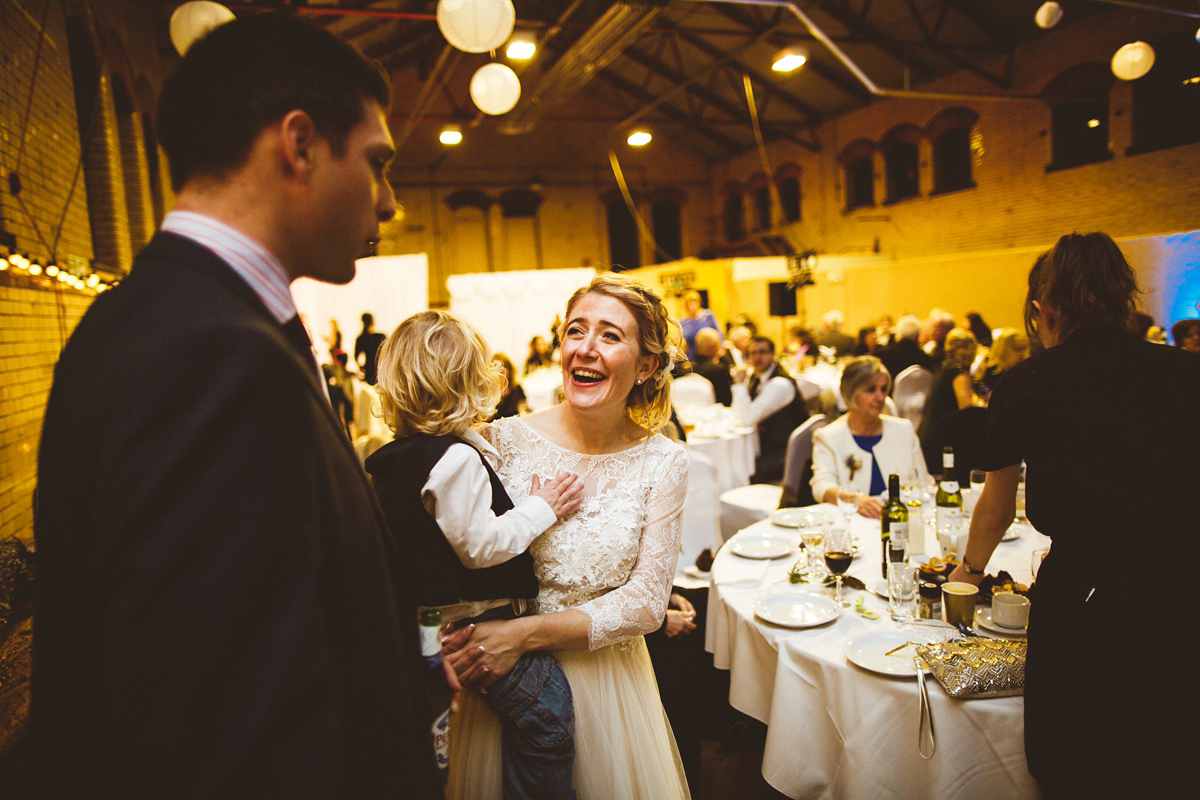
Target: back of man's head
251	72
708	343
908	327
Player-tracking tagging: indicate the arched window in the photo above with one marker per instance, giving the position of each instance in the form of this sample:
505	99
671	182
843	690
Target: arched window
623	248
950	133
859	168
1078	101
1166	101
901	159
760	194
733	213
666	220
787	180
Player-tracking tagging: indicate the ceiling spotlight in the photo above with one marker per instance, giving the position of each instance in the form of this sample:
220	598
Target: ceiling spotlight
1093	123
451	134
790	59
93	280
521	46
1048	15
35	268
51	270
639	138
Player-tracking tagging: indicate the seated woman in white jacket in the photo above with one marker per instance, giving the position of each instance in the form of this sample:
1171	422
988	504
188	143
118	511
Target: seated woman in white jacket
854	454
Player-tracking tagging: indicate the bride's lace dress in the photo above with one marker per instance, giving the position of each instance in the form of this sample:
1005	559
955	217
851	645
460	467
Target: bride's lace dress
614	560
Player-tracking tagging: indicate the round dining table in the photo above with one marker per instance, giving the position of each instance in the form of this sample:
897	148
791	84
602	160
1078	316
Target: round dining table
835	729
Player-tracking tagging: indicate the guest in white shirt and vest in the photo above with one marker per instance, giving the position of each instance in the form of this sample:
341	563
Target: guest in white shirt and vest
766	397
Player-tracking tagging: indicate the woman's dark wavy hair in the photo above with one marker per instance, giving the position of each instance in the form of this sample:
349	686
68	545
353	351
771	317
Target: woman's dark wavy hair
250	72
1086	280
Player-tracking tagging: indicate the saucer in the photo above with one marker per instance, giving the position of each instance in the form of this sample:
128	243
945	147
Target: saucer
983	619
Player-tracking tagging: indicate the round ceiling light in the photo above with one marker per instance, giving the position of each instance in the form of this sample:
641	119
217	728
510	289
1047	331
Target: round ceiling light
1133	61
476	26
495	88
192	20
1048	15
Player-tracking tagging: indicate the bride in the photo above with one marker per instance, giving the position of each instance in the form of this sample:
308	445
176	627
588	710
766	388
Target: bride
605	571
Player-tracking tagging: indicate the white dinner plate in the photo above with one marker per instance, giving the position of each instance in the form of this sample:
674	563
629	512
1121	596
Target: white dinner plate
1013	533
797	609
789	517
879	586
983	619
696	572
761	547
869	651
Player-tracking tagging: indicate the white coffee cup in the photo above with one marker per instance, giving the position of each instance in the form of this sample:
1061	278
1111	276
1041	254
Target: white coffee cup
1010	610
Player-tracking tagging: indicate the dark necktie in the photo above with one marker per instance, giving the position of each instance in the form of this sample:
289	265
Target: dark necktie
297	336
753	386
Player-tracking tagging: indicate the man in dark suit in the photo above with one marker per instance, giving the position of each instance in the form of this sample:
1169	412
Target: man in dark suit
905	351
216	612
709	365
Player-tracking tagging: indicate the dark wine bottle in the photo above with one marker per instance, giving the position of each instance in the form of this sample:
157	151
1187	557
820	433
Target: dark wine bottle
440	693
949	496
894	524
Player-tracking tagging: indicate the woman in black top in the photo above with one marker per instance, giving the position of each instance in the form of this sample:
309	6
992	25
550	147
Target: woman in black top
512	402
951	391
1107	426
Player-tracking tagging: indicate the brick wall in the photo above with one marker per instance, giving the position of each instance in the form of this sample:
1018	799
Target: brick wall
50	217
1016	204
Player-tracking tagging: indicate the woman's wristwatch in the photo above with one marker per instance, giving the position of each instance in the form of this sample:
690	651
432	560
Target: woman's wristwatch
966	565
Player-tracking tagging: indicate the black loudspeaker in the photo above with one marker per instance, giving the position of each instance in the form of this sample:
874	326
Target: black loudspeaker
781	300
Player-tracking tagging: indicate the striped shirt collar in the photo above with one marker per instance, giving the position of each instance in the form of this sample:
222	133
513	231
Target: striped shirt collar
261	270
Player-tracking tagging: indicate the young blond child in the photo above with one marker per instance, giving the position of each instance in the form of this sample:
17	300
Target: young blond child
463	543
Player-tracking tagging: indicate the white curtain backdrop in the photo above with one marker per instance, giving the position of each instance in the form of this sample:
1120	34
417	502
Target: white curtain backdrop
510	308
390	287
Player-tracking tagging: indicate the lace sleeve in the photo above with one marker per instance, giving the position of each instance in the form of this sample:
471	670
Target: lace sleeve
637	607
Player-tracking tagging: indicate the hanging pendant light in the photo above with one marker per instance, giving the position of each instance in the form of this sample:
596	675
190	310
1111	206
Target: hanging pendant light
476	26
192	20
1048	15
1133	61
495	88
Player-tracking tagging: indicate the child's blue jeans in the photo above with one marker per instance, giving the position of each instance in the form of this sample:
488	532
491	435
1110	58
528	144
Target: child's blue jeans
534	702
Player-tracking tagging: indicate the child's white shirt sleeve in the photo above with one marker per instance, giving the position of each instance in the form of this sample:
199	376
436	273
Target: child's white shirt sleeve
458	494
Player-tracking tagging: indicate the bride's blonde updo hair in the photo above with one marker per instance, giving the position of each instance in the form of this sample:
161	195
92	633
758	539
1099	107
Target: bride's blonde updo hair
649	403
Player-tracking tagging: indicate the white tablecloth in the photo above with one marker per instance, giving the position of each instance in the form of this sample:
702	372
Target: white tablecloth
732	452
835	730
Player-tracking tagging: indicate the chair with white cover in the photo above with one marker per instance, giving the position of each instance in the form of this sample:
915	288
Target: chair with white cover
889	407
701	527
909	392
692	390
746	505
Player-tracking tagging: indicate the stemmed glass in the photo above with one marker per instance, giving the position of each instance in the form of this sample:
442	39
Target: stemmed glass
839	552
812	538
847	507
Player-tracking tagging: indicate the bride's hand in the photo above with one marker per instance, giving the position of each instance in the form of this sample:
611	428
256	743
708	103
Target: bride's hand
502	643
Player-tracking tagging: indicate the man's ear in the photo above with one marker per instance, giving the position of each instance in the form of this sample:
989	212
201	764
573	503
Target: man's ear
297	135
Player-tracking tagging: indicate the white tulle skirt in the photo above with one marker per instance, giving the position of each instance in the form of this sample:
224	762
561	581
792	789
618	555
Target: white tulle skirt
624	748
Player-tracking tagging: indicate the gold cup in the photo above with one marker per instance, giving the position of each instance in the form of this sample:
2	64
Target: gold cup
958	599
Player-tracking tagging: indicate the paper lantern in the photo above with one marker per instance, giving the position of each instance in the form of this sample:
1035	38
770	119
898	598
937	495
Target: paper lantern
192	20
495	88
1048	15
1133	61
476	26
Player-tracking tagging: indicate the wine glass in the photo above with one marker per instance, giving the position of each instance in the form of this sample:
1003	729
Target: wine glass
1036	559
839	552
813	538
847	507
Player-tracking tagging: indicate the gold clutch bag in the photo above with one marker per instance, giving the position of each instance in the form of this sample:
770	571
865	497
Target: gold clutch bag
975	668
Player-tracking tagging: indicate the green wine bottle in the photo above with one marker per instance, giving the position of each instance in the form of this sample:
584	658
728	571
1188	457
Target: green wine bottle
894	521
949	496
